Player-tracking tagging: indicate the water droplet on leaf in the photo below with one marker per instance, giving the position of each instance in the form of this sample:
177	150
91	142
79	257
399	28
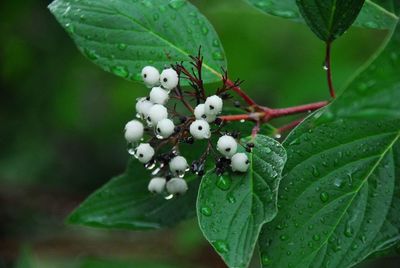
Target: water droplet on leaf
220	246
177	4
206	211
324	196
120	71
224	183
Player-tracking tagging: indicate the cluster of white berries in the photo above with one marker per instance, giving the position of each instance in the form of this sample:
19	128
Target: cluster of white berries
153	112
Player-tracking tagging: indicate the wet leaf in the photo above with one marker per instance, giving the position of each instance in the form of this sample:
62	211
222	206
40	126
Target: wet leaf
233	207
124	36
340	193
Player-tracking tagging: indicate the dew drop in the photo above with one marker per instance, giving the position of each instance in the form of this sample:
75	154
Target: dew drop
315	171
150	165
316	237
221	246
262	4
91	54
348	231
176	4
217	55
283	237
265	260
371	24
231	199
284	13
224	183
324	196
215	43
156	16
122	46
131	151
120	71
204	30
206	211
169	197
70	28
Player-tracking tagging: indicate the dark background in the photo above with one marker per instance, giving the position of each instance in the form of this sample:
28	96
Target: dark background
61	121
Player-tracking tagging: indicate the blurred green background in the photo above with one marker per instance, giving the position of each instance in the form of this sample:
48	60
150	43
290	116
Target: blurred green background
61	121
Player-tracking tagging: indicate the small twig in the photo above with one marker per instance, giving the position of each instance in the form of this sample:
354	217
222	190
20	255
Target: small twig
274	113
289	126
255	130
327	68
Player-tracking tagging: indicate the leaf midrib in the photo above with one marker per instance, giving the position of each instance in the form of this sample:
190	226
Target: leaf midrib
330	23
390	145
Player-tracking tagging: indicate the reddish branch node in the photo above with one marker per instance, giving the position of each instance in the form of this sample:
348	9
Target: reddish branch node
254	111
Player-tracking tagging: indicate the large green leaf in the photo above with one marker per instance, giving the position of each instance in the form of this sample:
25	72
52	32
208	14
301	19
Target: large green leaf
123	36
377	14
339	198
331	18
125	203
233	207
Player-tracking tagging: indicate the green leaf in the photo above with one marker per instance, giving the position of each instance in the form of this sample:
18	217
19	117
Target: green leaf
125	203
232	208
339	197
376	14
124	36
331	18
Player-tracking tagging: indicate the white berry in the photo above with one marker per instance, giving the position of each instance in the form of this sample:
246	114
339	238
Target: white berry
200	113
169	79
143	106
213	105
144	152
156	113
227	145
151	76
133	131
159	95
157	185
178	165
177	186
165	128
240	162
200	130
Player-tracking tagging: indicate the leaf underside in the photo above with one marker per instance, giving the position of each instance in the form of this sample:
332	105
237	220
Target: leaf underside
339	200
124	36
331	18
233	207
377	14
125	203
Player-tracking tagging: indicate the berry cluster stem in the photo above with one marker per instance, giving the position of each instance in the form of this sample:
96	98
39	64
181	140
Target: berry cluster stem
241	93
267	114
255	112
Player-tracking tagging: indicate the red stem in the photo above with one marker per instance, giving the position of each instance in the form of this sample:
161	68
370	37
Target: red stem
269	114
328	69
238	117
289	126
255	130
239	91
274	113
